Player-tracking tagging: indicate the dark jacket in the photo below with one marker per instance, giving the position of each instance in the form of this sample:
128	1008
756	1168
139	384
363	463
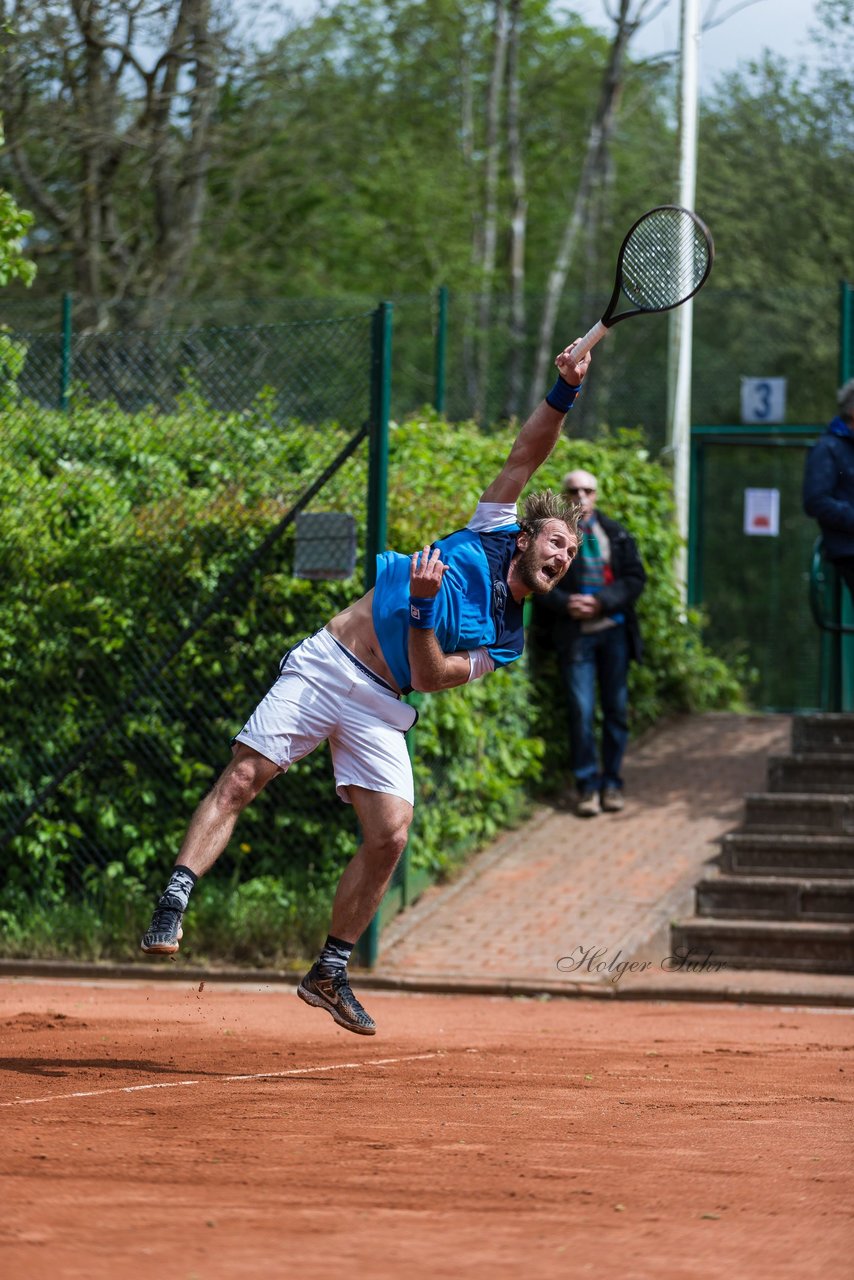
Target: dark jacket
829	488
618	596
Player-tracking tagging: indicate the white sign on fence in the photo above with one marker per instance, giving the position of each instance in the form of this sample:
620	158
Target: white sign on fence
762	512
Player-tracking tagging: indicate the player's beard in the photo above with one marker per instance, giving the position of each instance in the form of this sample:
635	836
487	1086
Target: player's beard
526	571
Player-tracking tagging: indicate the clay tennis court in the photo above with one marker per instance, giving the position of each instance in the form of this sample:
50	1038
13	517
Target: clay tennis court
159	1129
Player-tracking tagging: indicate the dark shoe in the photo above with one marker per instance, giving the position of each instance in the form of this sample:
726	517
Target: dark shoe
331	991
612	800
164	932
588	805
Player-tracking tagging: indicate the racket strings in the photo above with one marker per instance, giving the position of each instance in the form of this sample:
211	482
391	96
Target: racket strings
665	260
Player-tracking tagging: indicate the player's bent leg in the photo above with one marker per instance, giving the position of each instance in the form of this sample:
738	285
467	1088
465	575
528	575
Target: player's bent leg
385	821
210	829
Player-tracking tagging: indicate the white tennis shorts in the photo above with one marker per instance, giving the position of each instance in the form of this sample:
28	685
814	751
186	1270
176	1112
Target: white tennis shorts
324	693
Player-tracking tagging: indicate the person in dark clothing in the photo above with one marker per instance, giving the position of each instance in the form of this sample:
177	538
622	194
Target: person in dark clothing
829	486
591	623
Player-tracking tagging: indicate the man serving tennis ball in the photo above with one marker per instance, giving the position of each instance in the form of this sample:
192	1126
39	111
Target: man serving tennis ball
446	615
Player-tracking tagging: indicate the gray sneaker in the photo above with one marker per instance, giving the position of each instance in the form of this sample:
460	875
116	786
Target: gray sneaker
332	992
588	804
164	933
612	800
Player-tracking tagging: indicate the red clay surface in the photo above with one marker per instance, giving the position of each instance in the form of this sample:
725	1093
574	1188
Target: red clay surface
476	1137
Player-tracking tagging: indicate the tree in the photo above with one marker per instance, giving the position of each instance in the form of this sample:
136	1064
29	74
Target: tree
109	107
628	17
486	241
353	155
773	182
14	224
518	219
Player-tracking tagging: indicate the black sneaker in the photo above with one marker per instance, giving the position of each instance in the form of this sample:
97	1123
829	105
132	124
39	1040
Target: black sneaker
332	992
164	932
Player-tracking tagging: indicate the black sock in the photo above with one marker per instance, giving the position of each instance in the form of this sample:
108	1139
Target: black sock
335	953
179	888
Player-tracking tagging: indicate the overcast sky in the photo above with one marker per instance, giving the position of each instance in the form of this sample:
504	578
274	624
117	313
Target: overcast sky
779	25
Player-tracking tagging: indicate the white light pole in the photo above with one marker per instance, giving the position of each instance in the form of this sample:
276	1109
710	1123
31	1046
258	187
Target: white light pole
682	319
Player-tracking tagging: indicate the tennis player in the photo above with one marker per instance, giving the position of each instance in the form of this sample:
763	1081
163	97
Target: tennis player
448	614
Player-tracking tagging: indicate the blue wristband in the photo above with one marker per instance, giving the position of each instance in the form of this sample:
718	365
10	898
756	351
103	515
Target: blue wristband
421	612
562	395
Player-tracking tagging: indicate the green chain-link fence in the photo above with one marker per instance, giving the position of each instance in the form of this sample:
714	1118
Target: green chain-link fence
147	550
231	348
151	482
736	333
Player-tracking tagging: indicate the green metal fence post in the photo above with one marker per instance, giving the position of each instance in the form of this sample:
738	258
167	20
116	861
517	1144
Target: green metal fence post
378	439
846	331
835	673
65	352
377	501
695	472
441	348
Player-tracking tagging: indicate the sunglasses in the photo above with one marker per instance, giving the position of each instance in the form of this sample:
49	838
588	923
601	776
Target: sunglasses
579	489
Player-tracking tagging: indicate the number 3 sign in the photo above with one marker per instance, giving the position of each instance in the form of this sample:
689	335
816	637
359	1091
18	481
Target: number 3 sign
763	399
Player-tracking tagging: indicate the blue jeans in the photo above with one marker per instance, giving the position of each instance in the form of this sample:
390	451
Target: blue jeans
601	658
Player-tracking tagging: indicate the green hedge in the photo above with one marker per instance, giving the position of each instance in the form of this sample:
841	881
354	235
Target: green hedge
116	528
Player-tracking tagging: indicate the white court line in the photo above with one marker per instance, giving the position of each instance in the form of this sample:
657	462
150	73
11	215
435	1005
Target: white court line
261	1075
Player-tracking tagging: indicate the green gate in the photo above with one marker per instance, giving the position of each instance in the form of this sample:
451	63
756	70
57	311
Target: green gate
754	590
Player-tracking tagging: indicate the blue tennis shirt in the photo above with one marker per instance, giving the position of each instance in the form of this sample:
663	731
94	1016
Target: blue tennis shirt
474	608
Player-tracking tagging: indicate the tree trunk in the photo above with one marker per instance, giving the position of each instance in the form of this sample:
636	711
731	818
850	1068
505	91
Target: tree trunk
490	205
598	139
467	148
518	221
74	89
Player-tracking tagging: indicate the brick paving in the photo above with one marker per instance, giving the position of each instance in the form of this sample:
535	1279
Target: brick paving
602	890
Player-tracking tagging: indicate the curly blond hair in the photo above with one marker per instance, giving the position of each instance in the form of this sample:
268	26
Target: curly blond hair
548	505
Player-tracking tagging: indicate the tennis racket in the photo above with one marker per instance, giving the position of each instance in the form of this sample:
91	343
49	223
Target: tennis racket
664	260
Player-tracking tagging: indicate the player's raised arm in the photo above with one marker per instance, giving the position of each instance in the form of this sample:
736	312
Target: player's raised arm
541	432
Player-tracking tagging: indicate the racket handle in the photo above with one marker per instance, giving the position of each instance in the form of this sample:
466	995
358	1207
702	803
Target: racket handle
585	344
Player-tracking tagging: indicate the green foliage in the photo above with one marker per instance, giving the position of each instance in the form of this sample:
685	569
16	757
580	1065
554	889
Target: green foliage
352	156
14	224
476	759
13	354
117	530
14	265
775	143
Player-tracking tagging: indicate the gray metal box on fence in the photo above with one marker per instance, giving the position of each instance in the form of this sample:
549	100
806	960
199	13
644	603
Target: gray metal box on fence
325	545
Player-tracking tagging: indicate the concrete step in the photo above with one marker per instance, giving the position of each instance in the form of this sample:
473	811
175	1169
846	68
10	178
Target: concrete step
830	732
761	944
775	898
814	771
780	853
799	812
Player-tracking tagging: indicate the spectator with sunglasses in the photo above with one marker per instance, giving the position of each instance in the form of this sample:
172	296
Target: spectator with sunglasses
589	619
